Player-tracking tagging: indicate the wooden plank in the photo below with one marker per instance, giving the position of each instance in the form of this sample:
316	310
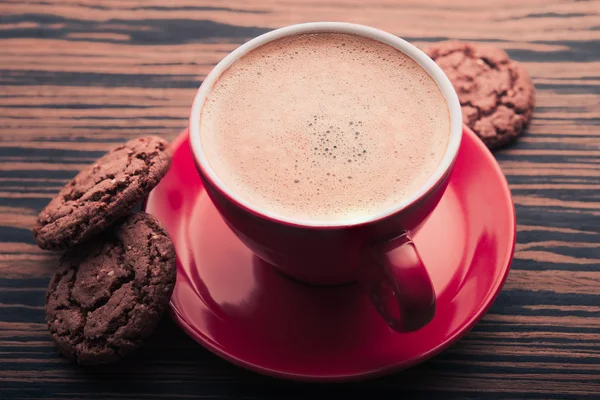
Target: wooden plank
78	76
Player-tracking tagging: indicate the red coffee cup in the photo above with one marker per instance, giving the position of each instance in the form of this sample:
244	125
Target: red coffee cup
376	251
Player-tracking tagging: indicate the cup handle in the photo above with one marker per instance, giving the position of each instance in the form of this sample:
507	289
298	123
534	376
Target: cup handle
398	284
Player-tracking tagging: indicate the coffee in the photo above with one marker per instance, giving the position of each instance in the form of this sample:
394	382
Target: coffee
325	127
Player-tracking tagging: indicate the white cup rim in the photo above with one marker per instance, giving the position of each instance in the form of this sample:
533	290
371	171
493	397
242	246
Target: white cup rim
338	27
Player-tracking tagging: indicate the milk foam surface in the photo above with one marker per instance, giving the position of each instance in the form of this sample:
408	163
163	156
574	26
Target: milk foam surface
325	127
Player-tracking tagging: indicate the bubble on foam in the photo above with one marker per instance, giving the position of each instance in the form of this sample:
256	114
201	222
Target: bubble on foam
323	126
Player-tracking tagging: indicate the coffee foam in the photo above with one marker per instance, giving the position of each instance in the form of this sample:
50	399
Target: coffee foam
325	127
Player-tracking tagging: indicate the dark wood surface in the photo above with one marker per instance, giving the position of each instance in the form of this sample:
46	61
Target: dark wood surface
78	76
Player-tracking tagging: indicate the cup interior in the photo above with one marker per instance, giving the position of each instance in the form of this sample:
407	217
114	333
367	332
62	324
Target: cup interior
334	27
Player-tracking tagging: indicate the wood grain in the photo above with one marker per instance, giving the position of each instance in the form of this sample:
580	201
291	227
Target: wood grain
78	76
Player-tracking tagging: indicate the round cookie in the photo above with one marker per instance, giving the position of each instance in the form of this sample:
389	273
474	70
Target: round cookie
102	193
496	93
107	296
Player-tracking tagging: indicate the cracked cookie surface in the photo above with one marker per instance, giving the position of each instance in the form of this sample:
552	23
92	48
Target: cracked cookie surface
495	92
103	192
108	295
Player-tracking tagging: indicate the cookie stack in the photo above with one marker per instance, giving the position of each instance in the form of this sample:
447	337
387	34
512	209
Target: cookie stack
117	274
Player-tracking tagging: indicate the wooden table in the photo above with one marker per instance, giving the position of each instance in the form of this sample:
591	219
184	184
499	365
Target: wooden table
79	76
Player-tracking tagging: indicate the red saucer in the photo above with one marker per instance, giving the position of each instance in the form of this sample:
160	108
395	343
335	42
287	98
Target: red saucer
243	310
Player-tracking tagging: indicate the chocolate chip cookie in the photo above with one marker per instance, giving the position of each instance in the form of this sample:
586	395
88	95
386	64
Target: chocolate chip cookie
495	92
108	295
102	193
